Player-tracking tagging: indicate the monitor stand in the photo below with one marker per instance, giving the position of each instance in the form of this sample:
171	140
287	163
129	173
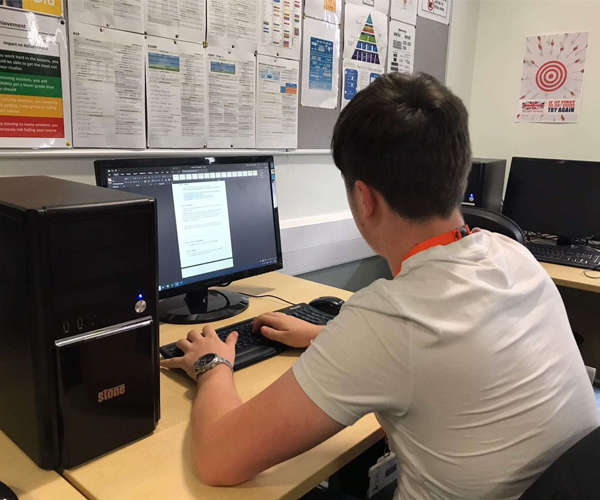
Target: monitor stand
563	240
201	306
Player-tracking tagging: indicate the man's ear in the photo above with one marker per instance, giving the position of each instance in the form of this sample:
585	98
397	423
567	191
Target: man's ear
366	198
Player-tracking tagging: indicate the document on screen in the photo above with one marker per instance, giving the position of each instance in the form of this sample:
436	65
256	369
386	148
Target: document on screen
203	233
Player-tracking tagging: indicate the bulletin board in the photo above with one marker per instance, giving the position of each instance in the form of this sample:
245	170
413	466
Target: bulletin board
315	125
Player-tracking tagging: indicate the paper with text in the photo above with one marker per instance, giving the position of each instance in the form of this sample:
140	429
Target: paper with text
176	94
401	47
181	19
320	64
231	99
382	6
325	10
277	103
34	82
107	77
404	10
117	14
365	35
355	77
232	24
202	220
436	10
280	28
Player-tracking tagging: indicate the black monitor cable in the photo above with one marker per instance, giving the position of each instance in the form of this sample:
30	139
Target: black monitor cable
265	296
257	296
224	296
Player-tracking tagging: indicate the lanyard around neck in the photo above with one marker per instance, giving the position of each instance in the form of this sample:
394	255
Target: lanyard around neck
440	239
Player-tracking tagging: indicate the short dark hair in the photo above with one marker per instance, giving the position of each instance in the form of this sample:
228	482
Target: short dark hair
407	136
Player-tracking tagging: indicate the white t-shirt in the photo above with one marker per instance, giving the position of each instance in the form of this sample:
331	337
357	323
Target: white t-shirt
469	363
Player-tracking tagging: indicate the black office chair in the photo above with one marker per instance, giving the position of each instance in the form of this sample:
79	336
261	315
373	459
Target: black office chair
492	221
573	476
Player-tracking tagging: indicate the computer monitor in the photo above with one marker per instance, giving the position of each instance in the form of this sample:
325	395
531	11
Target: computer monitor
217	222
559	197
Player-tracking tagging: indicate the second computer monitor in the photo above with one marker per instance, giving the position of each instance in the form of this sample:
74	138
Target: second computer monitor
217	222
554	196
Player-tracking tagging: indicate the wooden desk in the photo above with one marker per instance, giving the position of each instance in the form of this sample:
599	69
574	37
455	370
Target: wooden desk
573	277
160	465
27	480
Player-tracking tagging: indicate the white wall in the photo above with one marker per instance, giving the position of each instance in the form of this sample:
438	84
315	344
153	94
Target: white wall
462	43
317	229
502	28
308	185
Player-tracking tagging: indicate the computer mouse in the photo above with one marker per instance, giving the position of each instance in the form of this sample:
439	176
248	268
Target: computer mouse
6	493
329	305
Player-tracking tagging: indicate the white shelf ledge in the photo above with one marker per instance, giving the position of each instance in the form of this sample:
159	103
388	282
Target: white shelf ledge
147	153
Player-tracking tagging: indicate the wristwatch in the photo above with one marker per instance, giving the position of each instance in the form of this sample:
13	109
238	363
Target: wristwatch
208	362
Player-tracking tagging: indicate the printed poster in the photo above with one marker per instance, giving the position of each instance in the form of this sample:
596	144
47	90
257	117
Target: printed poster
320	64
181	19
436	10
277	103
115	14
365	35
176	94
355	77
552	78
232	24
324	10
107	79
52	7
382	6
231	98
280	28
404	10
34	82
401	47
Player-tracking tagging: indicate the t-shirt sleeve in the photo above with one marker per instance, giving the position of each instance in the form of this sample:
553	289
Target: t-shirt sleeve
359	363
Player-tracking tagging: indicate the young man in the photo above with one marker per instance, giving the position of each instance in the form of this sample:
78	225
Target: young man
466	356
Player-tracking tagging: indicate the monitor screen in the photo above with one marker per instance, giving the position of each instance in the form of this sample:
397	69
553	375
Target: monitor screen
554	196
217	217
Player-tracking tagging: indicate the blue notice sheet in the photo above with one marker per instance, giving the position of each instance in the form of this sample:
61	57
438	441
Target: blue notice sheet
320	75
350	83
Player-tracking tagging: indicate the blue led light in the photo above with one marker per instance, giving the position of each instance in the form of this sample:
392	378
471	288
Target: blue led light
140	296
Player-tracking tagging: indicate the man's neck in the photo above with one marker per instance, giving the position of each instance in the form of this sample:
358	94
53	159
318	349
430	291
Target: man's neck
405	234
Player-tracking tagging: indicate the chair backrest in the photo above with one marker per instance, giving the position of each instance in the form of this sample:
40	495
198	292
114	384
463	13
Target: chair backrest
492	221
573	476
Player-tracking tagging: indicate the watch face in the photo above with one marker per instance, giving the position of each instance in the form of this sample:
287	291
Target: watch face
206	359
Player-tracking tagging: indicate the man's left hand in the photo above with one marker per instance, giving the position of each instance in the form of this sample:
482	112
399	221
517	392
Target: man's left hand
197	344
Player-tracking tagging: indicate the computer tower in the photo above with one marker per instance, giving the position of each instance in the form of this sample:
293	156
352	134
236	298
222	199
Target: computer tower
79	371
485	184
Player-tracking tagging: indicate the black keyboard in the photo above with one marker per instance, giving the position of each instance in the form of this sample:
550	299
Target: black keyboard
252	348
575	256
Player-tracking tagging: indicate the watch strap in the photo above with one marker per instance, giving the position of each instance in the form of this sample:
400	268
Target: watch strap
200	369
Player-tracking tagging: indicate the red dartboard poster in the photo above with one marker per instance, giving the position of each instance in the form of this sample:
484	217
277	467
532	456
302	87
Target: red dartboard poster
552	78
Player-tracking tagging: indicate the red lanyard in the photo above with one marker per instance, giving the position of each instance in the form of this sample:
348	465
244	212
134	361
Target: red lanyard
440	239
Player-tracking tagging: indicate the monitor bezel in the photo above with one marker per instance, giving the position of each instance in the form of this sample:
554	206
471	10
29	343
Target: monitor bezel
570	233
101	167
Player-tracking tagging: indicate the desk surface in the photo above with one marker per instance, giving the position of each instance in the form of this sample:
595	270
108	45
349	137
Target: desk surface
573	277
27	480
160	466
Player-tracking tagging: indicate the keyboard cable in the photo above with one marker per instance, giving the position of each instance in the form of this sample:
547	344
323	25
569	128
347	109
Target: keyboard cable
256	296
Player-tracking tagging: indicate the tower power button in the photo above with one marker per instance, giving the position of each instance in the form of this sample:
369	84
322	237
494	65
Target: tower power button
140	306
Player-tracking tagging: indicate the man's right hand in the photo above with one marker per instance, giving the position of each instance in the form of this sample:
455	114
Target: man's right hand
286	329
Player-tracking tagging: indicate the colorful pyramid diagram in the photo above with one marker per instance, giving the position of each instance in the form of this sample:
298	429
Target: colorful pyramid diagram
366	47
